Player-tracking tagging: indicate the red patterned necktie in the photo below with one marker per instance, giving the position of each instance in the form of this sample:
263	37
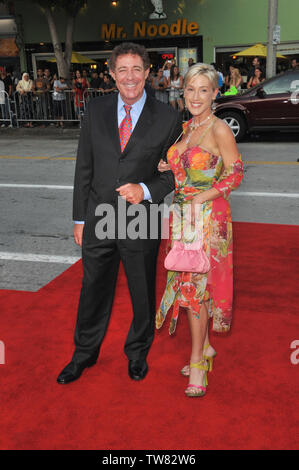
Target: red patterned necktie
125	128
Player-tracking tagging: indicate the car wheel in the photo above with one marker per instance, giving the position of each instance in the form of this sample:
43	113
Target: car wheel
236	122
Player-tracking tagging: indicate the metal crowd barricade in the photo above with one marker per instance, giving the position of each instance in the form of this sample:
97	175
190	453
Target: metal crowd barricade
5	109
45	107
48	107
56	107
90	93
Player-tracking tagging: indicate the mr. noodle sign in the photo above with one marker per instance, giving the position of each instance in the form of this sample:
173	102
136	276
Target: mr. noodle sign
142	30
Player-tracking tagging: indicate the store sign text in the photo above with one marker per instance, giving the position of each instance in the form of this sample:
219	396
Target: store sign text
143	29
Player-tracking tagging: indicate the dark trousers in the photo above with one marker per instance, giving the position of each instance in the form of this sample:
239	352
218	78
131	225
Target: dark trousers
101	260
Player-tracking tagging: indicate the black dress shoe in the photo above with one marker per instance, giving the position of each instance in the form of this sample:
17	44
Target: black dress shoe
73	371
137	369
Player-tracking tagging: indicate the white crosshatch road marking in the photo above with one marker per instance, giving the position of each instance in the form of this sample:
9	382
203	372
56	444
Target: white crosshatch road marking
252	193
38	258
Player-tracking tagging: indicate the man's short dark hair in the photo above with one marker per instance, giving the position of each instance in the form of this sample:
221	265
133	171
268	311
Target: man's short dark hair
129	48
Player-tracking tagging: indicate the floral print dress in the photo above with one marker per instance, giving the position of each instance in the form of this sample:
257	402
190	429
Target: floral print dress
197	170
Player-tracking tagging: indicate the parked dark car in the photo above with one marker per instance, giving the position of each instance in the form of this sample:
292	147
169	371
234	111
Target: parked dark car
271	105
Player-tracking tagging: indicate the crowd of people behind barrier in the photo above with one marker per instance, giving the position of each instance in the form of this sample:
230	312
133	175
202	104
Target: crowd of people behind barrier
49	99
55	100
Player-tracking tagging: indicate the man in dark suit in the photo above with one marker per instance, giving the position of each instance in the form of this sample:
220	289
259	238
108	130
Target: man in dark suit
122	139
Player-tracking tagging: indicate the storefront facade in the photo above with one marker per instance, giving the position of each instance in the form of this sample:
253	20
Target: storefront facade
9	51
206	30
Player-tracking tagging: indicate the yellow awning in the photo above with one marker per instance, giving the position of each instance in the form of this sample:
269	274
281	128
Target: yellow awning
258	50
78	59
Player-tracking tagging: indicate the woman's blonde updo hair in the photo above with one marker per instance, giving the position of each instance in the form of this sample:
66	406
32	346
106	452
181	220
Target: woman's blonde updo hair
202	69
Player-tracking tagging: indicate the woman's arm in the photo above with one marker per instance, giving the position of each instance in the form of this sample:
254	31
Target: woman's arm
249	83
233	167
232	175
239	82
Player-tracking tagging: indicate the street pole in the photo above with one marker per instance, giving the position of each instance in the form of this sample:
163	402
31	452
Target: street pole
271	44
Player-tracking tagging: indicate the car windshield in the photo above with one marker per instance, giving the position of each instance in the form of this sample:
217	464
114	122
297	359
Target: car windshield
282	84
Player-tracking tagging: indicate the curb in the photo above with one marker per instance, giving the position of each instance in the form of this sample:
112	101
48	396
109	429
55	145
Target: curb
47	132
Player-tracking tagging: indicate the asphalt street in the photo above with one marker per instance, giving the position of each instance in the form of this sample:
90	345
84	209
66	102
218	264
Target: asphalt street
36	180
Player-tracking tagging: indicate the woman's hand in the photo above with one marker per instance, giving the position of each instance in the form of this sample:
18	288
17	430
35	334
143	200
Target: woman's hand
163	166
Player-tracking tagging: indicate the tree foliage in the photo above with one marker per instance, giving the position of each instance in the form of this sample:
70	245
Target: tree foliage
71	9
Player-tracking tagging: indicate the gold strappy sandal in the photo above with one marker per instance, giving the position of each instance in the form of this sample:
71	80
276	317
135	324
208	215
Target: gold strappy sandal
185	371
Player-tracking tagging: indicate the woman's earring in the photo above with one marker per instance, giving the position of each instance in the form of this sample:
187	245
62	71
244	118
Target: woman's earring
213	107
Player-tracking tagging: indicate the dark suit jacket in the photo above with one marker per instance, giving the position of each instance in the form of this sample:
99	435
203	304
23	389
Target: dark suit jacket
101	167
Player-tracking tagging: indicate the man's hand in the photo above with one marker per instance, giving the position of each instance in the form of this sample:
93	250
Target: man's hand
78	233
132	193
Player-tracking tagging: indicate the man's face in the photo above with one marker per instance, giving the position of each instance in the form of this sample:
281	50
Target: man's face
39	73
130	76
47	72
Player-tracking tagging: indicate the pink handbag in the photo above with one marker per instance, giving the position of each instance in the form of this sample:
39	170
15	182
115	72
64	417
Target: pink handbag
187	257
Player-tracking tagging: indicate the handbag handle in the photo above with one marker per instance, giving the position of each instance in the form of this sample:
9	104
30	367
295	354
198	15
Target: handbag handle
199	221
178	138
200	228
198	225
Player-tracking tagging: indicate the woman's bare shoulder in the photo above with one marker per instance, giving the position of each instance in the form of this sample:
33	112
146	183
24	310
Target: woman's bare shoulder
226	142
222	130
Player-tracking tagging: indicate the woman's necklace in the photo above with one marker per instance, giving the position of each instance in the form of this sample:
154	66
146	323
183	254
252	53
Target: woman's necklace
193	126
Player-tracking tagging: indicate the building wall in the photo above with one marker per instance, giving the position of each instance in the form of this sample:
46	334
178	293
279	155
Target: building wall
221	23
243	22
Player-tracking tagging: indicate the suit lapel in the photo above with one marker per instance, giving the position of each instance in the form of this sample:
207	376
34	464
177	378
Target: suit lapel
112	123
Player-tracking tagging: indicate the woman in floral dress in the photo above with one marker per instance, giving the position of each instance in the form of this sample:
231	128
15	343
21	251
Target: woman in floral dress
206	166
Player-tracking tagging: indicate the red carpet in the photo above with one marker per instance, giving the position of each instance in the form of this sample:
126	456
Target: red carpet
252	400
